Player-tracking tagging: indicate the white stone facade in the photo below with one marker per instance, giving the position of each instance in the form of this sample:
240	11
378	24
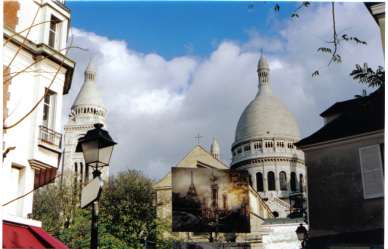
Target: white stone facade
280	234
87	110
34	145
264	146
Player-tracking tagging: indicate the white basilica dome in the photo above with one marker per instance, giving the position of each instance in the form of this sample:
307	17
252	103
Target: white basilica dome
264	146
266	116
266	128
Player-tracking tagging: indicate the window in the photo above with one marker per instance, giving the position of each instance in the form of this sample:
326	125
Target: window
259	182
293	181
247	148
54	32
283	180
372	175
271	181
301	183
49	109
239	150
256	146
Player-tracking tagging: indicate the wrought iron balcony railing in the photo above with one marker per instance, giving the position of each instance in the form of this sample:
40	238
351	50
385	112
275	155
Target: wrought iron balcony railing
49	136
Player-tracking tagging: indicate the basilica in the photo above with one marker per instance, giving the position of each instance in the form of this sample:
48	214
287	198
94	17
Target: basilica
87	110
264	147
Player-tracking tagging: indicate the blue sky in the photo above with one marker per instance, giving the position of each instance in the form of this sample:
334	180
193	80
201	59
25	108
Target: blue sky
170	70
177	28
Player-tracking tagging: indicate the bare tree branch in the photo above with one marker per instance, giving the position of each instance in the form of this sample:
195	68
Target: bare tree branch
7	151
6	127
24	30
335	41
40	60
29	192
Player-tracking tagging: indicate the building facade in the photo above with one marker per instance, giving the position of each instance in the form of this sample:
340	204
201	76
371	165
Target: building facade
264	146
87	110
346	156
36	75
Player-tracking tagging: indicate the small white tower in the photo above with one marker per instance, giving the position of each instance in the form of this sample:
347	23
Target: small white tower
263	74
87	110
215	149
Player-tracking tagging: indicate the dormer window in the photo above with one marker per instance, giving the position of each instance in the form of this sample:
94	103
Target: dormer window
54	32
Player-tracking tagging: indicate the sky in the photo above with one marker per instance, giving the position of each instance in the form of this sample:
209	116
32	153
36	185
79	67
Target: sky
170	70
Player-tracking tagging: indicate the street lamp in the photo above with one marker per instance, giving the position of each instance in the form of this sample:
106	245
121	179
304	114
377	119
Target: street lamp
97	147
302	234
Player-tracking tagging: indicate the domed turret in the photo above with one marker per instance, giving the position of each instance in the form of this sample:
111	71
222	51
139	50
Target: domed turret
266	116
263	63
88	103
215	149
264	145
87	110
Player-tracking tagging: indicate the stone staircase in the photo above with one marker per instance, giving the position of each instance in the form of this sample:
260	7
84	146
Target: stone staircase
279	206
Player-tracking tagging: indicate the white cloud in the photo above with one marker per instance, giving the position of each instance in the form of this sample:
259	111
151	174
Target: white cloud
156	106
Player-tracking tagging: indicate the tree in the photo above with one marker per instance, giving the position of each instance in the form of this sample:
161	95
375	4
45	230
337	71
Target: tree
53	206
127	208
363	75
366	75
127	217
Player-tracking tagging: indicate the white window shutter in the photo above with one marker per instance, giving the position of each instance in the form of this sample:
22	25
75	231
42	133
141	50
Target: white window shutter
371	171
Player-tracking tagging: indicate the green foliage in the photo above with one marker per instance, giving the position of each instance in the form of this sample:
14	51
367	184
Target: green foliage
324	50
127	210
77	234
316	73
53	206
366	75
127	216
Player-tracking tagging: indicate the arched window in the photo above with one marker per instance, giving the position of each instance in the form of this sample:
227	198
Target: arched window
283	180
301	183
271	181
259	182
293	181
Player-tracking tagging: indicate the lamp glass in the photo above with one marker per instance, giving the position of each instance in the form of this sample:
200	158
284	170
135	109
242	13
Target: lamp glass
105	154
90	150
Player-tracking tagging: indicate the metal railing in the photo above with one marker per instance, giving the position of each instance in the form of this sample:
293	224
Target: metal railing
49	136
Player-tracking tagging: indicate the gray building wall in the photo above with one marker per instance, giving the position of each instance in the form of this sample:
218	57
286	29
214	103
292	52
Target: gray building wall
335	201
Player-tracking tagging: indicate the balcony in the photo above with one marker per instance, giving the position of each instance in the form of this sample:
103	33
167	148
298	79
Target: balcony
50	137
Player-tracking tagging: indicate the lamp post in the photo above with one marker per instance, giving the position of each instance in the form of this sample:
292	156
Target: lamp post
97	147
302	234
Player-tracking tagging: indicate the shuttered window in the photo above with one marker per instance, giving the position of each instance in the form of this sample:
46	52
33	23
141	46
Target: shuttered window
371	171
